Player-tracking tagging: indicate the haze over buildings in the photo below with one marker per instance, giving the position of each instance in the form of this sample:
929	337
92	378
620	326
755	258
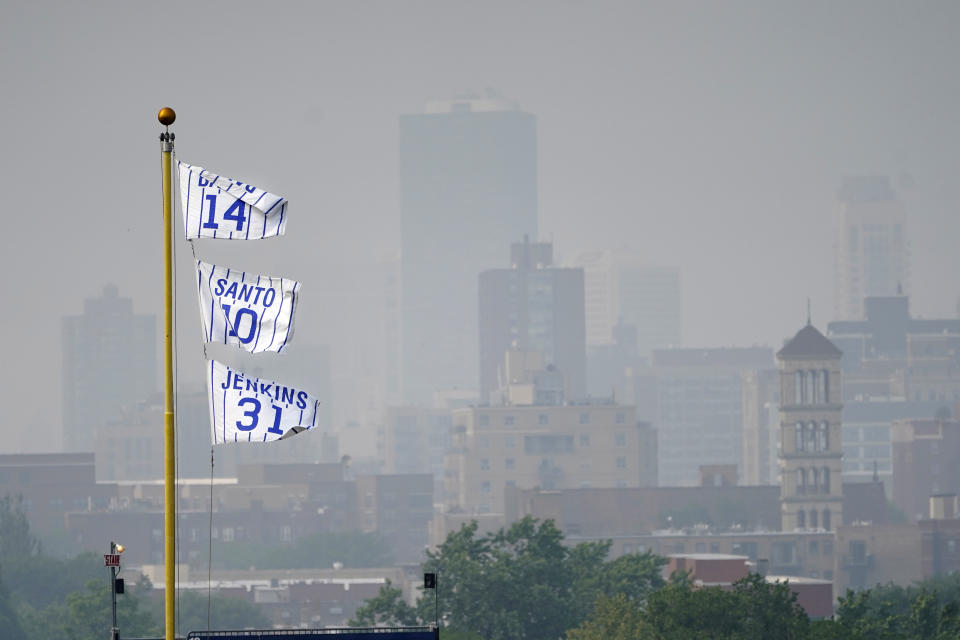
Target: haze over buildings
569	310
872	253
468	188
108	364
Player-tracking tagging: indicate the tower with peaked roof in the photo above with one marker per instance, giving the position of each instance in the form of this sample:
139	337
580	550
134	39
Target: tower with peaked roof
811	452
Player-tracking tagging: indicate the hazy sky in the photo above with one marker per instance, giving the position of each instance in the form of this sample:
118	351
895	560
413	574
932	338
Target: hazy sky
708	135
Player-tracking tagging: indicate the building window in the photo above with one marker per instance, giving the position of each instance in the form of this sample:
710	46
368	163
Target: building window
700	547
783	553
858	552
808	388
485	486
825	480
621	417
801	481
485	464
813	519
824	387
798	387
543	418
810	437
508	420
483	420
799	436
584	418
814	481
814	547
801	519
508	463
827	544
621	462
509	441
714	547
823	436
584	440
621	439
826	525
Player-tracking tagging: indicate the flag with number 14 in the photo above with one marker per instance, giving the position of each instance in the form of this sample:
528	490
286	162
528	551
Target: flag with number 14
215	206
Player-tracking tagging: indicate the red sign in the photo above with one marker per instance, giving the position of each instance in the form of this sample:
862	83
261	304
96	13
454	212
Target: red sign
111	559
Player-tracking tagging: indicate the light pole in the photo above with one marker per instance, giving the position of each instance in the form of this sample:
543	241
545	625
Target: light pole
113	561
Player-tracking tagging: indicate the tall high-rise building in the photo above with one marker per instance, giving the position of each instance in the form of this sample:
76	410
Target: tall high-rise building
533	306
109	362
699	408
468	188
761	426
622	288
871	252
811	452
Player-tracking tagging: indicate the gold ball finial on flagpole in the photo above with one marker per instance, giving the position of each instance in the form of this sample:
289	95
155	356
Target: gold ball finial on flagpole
166	116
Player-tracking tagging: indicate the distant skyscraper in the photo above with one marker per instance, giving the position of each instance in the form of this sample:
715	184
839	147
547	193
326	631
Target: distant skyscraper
109	362
533	306
700	408
468	188
761	426
621	288
871	253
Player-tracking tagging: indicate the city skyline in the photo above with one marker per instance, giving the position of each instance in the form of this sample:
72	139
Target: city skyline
643	163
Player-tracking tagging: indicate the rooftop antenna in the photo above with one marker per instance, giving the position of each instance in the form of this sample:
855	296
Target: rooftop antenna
809	322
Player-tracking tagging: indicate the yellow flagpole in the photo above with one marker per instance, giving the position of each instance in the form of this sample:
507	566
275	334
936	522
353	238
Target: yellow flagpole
166	118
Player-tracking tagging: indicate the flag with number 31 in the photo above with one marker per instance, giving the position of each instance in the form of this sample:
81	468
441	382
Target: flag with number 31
246	408
215	206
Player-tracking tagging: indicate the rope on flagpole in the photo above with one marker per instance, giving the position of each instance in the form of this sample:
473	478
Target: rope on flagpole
203	336
210	544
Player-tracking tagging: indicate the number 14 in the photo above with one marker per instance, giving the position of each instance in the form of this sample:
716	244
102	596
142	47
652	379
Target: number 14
236	213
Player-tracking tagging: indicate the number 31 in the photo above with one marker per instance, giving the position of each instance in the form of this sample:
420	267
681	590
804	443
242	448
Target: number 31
254	414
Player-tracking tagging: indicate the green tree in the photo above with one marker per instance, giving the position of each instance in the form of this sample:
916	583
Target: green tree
753	608
387	609
770	609
521	582
616	618
927	610
16	540
9	621
40	578
46	623
89	616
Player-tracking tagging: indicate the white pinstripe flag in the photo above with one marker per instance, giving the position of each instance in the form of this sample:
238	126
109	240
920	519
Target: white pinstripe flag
247	310
249	409
218	207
